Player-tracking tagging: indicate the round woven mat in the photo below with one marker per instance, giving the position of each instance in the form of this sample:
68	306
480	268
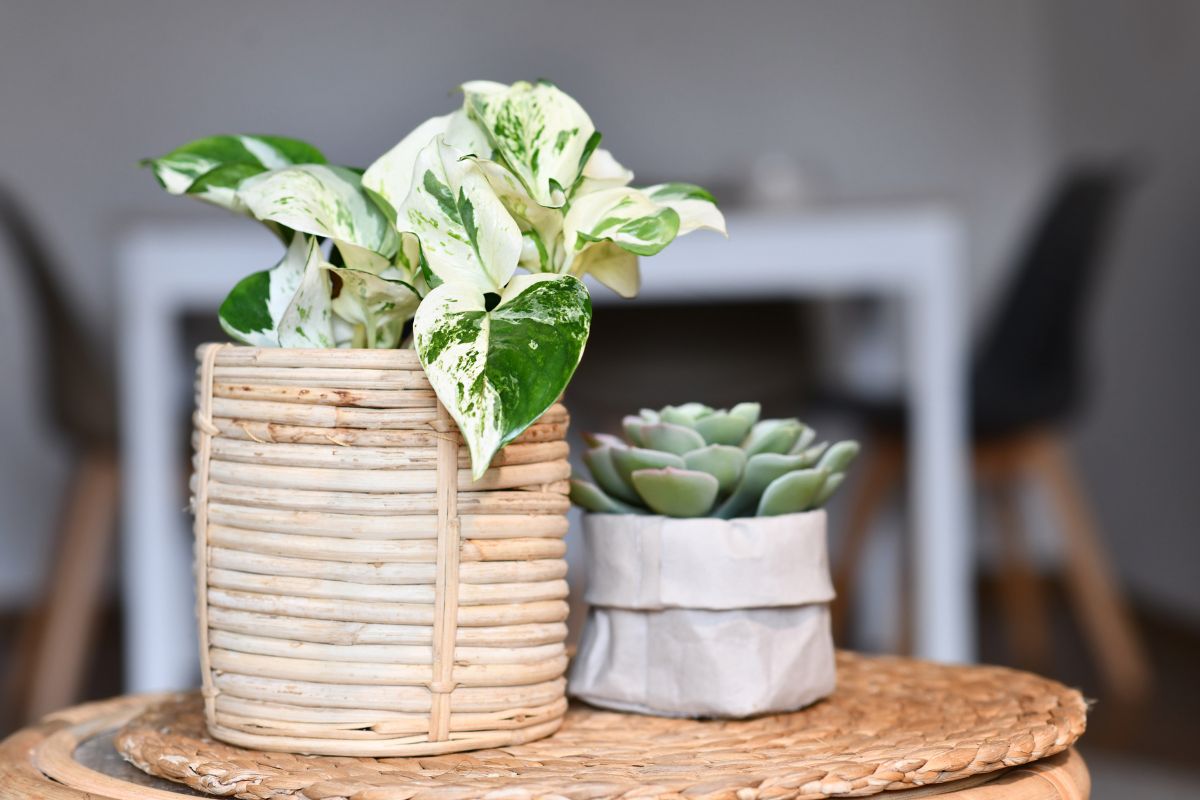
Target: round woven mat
892	724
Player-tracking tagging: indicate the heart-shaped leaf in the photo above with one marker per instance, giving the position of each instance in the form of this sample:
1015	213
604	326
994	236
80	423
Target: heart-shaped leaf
497	371
376	306
543	135
325	201
252	311
696	207
467	236
391	176
212	168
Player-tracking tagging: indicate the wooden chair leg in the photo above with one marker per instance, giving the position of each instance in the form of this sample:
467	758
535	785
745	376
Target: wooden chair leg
881	474
1107	619
64	623
1022	595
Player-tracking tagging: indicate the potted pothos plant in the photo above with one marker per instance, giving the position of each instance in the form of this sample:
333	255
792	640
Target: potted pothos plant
468	241
339	547
707	572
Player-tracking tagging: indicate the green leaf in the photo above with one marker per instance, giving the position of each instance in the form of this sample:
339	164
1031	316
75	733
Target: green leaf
772	436
695	206
599	461
760	470
603	440
391	176
831	485
839	456
467	236
623	216
325	201
676	492
671	438
791	493
747	411
497	371
723	462
631	459
687	414
590	497
212	168
252	311
633	430
308	320
544	136
806	438
377	306
722	427
811	455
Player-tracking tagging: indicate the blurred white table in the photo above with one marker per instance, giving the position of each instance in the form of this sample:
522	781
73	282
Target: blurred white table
913	253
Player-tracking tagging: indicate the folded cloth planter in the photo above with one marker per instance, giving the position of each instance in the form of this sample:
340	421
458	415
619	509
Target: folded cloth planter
705	617
358	593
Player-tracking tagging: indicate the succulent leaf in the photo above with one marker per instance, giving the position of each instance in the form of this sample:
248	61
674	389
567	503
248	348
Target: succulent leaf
630	459
603	439
723	462
686	414
838	457
830	486
633	430
591	497
676	492
600	463
747	411
792	492
813	454
671	438
649	414
760	470
722	427
806	438
772	436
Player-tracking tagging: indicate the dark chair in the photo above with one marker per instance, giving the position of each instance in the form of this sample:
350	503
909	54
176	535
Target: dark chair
1027	382
55	642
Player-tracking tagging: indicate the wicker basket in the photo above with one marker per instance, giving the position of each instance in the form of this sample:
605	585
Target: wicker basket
358	593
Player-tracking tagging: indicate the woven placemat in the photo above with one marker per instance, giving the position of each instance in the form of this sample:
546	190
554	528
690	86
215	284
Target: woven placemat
892	724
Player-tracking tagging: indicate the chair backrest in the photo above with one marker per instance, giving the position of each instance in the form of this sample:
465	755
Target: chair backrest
76	380
1029	368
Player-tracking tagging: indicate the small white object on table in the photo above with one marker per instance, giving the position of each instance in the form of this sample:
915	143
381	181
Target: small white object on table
913	253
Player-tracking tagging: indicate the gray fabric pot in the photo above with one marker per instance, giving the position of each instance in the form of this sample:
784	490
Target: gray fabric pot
705	617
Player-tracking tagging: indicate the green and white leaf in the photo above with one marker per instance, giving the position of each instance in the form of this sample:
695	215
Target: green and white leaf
467	236
541	227
539	130
497	371
391	176
212	168
252	311
623	216
602	171
308	319
696	207
325	201
377	308
610	265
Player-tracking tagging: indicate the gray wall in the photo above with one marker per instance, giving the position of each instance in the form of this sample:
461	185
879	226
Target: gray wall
968	102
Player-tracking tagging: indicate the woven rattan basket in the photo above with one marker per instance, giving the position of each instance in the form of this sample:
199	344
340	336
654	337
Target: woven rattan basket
358	594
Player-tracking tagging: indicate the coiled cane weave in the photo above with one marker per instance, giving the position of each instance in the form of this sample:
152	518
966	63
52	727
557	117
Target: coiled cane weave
892	724
358	593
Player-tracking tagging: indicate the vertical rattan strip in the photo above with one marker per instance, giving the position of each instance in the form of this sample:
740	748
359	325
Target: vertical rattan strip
204	424
445	618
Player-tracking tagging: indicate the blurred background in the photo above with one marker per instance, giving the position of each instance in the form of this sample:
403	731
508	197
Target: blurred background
1047	339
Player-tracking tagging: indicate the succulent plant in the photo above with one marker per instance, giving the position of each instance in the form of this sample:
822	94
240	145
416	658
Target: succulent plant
696	461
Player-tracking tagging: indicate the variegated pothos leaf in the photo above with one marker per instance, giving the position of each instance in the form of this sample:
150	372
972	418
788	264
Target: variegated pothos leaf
696	207
308	319
378	308
212	168
252	311
497	371
391	176
467	236
325	201
541	133
623	216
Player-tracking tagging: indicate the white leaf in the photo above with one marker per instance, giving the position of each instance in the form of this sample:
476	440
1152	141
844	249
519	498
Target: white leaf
307	322
623	216
375	305
695	206
252	311
467	235
324	201
540	131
